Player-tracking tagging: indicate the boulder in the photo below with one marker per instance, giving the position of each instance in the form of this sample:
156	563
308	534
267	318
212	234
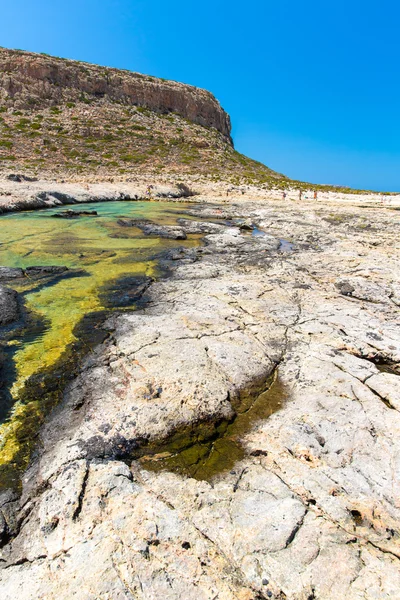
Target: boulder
9	310
10	273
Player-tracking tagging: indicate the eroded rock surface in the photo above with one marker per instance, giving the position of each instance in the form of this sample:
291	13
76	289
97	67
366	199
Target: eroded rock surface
9	309
312	510
36	79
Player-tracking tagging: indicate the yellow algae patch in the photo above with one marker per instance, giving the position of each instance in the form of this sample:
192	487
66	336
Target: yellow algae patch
97	252
63	307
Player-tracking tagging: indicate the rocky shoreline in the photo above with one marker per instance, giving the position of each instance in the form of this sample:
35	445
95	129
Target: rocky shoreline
310	510
20	193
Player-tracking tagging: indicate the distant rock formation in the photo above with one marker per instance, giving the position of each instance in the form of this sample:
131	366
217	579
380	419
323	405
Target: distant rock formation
72	121
40	80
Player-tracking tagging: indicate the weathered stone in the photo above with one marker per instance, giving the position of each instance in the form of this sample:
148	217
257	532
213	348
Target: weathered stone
200	226
45	270
172	232
75	214
46	78
9	310
10	273
19	178
311	509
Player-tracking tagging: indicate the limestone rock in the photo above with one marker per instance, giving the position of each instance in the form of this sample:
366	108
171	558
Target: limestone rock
48	79
309	510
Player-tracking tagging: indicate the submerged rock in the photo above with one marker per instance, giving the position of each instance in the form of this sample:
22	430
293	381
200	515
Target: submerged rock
74	214
9	309
171	232
126	291
45	271
125	222
8	273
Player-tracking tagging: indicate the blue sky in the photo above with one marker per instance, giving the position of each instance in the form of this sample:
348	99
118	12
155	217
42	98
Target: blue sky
312	87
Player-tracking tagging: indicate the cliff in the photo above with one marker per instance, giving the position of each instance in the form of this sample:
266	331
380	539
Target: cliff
38	80
67	120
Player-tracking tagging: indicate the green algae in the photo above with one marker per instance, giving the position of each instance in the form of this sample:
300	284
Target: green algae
213	449
38	395
96	257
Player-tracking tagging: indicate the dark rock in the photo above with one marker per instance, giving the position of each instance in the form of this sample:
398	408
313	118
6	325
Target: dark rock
246	225
18	178
133	222
45	271
3	530
186	545
10	273
126	291
101	447
74	214
9	310
53	196
345	288
185	190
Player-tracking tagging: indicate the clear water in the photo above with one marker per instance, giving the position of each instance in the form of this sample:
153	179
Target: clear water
101	251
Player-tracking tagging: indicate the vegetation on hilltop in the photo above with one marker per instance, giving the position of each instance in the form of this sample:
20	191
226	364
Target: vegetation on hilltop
93	138
63	119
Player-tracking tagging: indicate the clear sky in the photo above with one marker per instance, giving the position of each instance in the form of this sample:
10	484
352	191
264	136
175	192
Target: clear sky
312	86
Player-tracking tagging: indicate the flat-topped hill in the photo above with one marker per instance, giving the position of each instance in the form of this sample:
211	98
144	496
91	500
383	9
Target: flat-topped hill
64	118
36	80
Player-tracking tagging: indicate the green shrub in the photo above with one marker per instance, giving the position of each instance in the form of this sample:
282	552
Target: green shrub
143	110
23	123
83	98
138	127
72	153
133	158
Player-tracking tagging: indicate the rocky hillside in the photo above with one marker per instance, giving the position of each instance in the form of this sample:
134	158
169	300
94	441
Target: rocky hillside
68	119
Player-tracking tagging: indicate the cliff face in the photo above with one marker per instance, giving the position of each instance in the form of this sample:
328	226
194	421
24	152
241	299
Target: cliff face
63	119
38	80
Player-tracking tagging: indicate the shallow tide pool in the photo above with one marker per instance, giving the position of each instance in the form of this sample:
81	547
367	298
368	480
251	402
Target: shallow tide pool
97	251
